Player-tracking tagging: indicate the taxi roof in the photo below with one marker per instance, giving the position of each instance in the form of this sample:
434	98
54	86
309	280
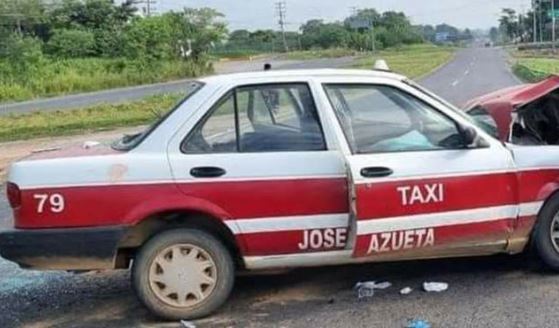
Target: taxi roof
302	73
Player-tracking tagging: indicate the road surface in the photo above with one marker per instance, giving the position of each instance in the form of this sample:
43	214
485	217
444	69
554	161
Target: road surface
473	72
497	291
121	95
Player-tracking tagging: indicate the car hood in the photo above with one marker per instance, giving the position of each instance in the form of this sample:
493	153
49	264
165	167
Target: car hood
517	96
502	103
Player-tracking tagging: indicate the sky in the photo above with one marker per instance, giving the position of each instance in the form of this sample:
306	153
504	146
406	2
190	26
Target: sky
260	14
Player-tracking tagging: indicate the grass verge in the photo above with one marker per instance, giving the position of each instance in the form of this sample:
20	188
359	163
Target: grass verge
70	76
412	61
534	69
101	117
314	54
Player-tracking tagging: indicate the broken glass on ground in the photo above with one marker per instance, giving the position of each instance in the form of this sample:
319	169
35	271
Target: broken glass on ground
435	286
367	289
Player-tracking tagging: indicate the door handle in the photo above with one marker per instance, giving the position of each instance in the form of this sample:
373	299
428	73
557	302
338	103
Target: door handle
207	172
376	172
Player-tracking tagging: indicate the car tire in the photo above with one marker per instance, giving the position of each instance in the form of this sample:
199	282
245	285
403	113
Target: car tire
182	255
548	221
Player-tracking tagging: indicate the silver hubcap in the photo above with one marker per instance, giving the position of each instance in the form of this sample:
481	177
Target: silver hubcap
555	232
182	275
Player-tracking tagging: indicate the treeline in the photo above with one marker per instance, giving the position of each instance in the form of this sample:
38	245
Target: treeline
57	47
518	27
52	47
366	29
98	28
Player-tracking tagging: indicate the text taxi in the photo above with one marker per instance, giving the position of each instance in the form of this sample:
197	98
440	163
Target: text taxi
282	169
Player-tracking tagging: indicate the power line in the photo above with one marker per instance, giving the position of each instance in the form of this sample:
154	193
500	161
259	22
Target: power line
281	9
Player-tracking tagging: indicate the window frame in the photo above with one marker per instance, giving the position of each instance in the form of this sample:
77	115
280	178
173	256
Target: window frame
233	91
351	147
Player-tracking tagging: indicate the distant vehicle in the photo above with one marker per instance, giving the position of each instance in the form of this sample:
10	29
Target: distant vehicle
527	114
488	44
282	169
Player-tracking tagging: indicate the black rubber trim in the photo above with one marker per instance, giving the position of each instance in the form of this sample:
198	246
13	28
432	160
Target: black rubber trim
26	246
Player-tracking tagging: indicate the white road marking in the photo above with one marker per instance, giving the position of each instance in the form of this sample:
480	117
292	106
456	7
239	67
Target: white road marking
455	83
467	72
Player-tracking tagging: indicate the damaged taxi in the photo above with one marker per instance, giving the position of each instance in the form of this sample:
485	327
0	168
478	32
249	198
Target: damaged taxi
283	169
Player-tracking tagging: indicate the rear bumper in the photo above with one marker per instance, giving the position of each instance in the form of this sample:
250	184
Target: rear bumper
62	249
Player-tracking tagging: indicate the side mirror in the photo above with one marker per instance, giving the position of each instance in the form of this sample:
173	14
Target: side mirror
471	139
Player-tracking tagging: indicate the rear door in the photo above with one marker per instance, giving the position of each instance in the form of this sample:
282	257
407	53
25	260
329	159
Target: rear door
260	159
419	190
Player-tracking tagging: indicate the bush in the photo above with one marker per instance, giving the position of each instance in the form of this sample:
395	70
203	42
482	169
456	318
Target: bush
71	43
148	38
24	56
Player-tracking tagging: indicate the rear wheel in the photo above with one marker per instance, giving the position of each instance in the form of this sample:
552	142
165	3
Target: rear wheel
546	234
183	274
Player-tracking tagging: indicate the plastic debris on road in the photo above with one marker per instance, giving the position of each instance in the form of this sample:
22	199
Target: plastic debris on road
90	144
406	291
435	286
187	324
418	324
367	289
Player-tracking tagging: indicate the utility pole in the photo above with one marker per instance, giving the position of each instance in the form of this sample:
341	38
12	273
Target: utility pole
553	25
147	10
18	17
281	9
539	2
535	39
373	36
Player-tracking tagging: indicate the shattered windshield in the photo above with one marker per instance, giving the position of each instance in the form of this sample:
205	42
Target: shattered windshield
129	141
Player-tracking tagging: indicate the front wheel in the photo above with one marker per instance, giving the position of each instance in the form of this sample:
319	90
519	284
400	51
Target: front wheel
546	234
183	274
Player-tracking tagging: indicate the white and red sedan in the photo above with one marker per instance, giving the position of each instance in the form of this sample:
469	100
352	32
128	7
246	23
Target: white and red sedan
282	169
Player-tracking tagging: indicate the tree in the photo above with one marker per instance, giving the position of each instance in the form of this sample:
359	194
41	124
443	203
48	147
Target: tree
508	23
201	28
21	16
149	38
71	43
239	36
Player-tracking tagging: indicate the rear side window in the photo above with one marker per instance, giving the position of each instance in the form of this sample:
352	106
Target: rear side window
260	118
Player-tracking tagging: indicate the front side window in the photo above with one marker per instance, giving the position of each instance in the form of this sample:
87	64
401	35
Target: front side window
484	120
380	119
261	118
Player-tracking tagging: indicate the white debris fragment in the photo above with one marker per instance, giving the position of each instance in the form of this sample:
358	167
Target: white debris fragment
187	324
367	289
44	150
435	286
90	144
406	291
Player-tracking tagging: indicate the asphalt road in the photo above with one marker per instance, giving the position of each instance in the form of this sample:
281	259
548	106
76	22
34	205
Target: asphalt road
499	291
120	95
473	72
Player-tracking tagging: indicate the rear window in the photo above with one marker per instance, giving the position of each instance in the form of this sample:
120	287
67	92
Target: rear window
128	142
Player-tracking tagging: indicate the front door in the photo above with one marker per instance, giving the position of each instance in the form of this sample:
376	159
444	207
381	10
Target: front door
420	191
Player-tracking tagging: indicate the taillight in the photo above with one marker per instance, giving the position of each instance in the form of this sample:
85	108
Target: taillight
14	195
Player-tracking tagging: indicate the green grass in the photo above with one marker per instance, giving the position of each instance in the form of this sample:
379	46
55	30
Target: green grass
412	61
533	69
314	54
101	117
67	76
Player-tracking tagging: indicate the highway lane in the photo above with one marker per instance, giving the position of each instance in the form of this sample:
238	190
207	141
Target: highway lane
472	73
